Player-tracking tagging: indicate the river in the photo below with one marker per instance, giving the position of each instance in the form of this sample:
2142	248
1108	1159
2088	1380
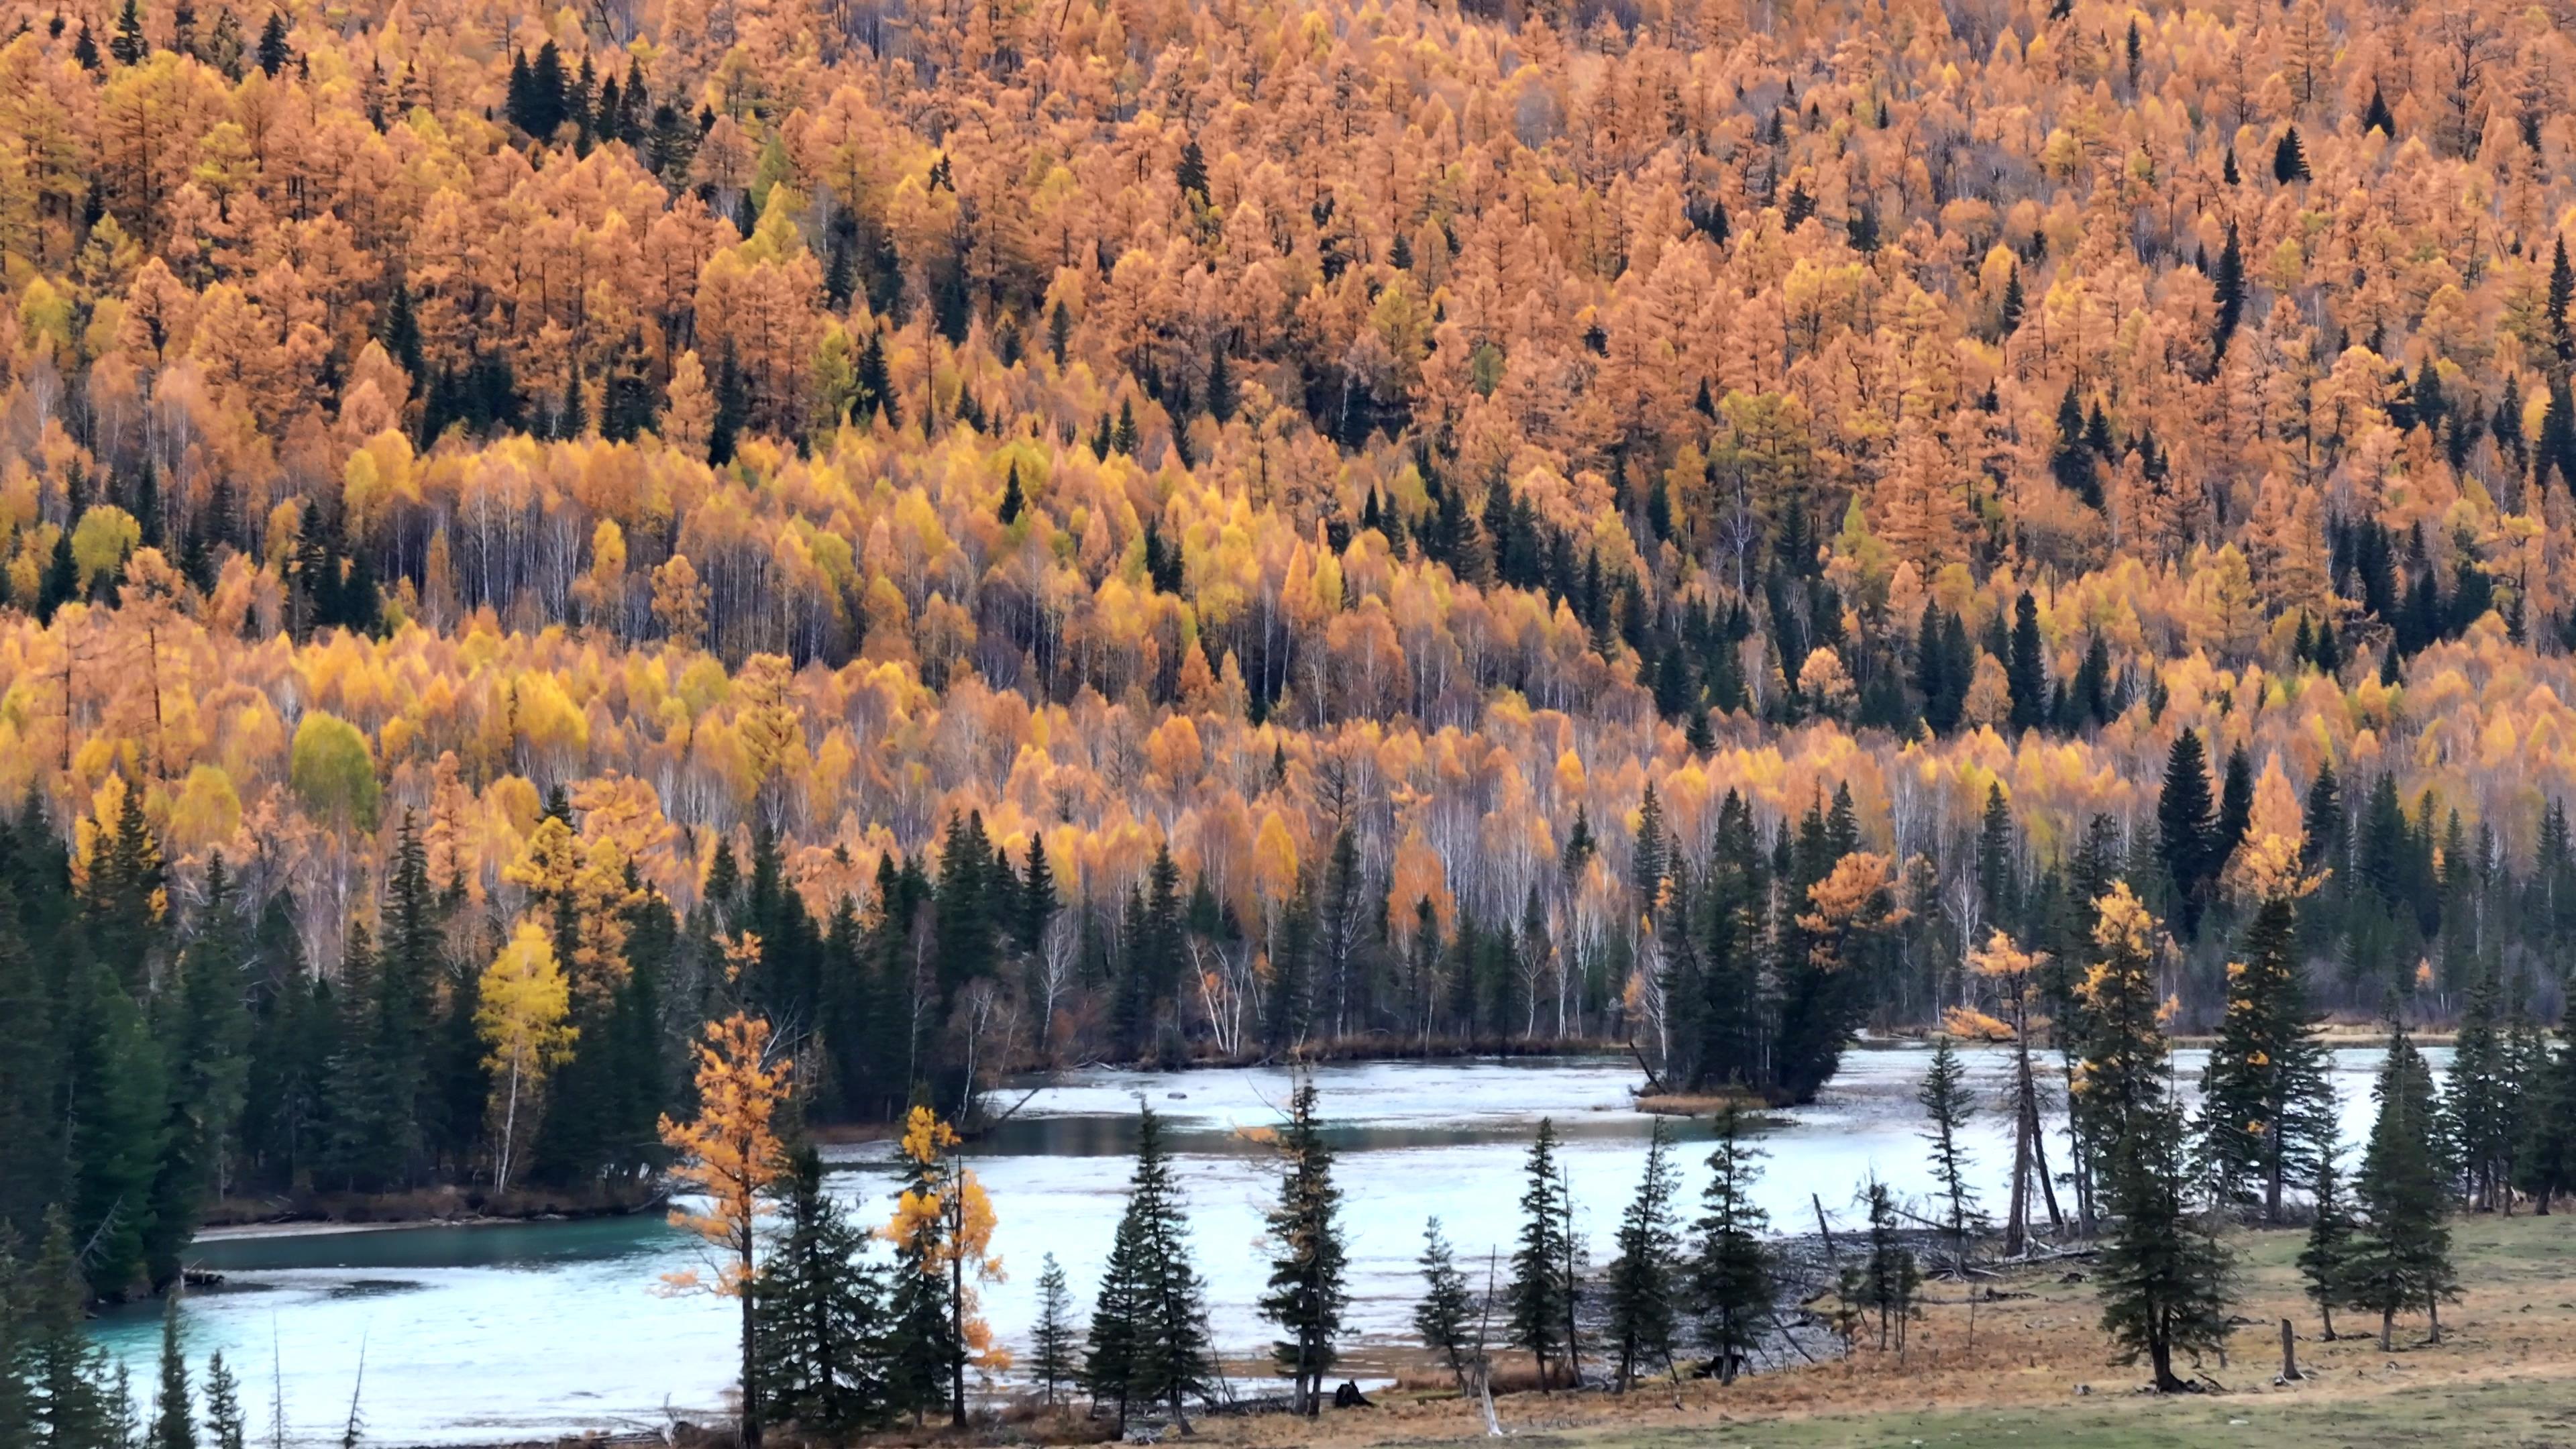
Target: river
526	1331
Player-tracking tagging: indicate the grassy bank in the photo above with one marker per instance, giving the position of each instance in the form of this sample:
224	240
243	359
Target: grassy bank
2039	1371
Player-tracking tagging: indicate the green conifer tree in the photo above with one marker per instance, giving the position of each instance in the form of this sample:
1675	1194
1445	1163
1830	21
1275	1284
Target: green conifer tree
1643	1310
1542	1292
1149	1337
1307	1293
2325	1262
1053	1343
2266	1114
819	1314
1731	1280
2403	1259
1948	1105
1440	1319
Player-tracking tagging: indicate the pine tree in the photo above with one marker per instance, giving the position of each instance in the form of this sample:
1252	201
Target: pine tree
129	47
1948	1104
2325	1263
67	1373
1149	1338
2478	1103
274	52
1013	501
2290	158
2026	672
819	1314
2184	828
1731	1284
2165	1278
2545	1163
1307	1294
174	1419
2267	1113
1542	1292
2228	281
1053	1344
225	1426
1891	1279
1643	1309
2403	1258
1440	1318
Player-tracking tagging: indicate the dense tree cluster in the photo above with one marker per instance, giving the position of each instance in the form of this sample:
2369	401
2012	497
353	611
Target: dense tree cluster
1023	534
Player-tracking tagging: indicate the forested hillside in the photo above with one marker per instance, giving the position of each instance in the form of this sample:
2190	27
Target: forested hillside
1017	533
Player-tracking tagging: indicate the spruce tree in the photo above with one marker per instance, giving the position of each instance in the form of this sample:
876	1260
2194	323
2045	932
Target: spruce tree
67	1373
1891	1280
2165	1277
1440	1318
1542	1291
2325	1263
1149	1340
2185	829
2267	1113
1948	1104
819	1314
1053	1344
2479	1100
1642	1278
1731	1282
225	1426
1307	1294
174	1418
2403	1259
2026	671
2545	1162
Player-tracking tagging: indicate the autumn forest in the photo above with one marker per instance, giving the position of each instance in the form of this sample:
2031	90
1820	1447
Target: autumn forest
994	534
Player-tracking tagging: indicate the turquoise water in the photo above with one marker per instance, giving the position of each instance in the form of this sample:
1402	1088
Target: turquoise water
522	1331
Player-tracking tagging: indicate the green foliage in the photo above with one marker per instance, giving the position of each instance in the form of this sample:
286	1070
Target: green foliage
1642	1281
1441	1318
1542	1287
819	1315
333	771
1307	1294
2165	1278
2402	1261
1731	1277
2267	1113
1149	1342
1948	1105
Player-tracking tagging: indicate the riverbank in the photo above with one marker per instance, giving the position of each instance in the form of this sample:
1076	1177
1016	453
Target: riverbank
451	1206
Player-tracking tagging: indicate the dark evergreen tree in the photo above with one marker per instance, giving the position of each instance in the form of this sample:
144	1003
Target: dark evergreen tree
2185	829
2402	1260
174	1416
2166	1279
819	1314
274	51
1054	1341
1949	1103
1542	1290
2290	158
1440	1319
1307	1293
2026	672
1731	1280
2267	1114
1643	1280
1149	1338
2325	1262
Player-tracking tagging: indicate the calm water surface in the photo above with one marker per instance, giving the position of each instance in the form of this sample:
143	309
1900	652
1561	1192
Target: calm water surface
478	1334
